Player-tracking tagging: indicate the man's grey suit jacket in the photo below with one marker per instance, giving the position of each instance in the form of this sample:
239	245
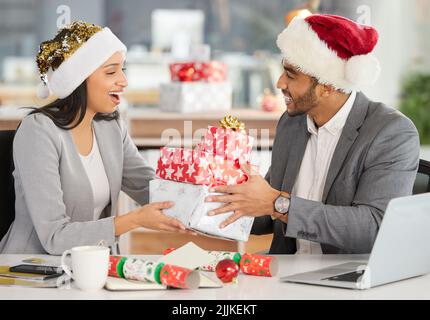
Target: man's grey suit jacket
375	160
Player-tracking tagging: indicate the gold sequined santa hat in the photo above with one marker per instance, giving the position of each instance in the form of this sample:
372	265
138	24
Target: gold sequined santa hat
72	55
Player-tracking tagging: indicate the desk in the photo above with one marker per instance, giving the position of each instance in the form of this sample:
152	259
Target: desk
248	287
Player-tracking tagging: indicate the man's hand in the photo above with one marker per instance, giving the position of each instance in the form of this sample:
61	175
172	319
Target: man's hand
280	216
253	198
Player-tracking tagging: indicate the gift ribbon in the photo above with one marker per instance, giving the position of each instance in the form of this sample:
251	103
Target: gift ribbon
196	71
230	122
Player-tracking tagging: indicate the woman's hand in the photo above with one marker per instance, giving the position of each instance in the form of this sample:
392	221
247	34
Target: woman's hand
150	216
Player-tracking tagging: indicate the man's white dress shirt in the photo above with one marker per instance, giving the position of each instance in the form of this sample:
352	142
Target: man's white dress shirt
316	162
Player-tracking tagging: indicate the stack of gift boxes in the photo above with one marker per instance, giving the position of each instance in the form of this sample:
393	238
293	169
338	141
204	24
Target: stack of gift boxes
195	87
186	176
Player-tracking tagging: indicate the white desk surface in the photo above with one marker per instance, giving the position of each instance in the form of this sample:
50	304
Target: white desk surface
248	287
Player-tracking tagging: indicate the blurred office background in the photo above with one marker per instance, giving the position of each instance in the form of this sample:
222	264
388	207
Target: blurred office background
240	33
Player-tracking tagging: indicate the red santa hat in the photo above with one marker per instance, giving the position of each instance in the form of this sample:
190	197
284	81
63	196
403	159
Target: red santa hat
333	49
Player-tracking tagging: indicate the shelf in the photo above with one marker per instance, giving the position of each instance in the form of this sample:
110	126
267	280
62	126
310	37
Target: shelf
152	128
26	96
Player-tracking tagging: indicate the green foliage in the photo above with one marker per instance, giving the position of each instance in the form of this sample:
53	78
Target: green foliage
415	103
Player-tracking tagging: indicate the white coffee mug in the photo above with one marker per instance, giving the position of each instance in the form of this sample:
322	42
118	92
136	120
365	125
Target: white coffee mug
90	265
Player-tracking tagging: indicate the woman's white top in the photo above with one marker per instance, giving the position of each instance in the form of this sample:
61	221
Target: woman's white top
93	165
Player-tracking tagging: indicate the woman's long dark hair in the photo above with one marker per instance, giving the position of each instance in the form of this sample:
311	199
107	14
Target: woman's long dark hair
64	112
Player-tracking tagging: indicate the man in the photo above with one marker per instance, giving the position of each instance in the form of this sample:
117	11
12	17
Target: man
338	158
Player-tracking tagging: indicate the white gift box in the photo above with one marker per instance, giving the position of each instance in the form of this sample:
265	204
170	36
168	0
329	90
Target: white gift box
186	97
191	209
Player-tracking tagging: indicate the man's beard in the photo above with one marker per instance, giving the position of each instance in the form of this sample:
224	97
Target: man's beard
305	103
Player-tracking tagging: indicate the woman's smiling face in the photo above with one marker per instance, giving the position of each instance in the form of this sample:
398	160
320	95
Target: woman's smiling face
106	84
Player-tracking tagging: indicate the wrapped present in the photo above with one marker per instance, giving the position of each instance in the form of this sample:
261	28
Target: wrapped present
185	165
228	143
188	97
229	140
198	167
215	161
209	71
191	209
226	172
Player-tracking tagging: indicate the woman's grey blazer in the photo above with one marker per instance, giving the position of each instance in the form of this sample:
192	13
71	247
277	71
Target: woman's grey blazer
54	199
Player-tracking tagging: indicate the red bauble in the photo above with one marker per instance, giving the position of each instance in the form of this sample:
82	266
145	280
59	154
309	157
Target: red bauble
269	103
227	270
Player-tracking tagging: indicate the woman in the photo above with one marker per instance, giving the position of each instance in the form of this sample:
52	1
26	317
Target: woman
73	156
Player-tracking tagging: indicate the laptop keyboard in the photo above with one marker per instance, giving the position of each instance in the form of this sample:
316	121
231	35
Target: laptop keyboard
347	277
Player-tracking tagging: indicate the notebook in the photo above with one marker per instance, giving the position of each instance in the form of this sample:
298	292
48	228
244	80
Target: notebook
8	278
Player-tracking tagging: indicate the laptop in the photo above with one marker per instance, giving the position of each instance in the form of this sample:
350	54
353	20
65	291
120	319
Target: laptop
401	250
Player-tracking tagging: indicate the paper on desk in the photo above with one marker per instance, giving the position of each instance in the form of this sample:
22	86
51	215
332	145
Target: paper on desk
188	256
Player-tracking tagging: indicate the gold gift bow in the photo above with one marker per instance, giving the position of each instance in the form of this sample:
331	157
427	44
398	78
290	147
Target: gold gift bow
230	122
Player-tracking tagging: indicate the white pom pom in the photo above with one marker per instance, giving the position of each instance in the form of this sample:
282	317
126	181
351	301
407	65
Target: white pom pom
42	91
362	69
